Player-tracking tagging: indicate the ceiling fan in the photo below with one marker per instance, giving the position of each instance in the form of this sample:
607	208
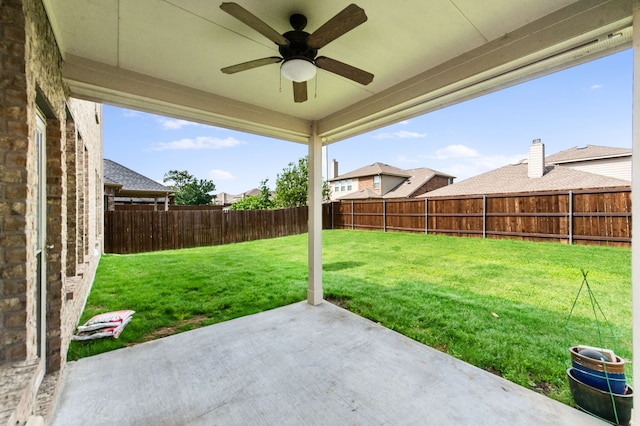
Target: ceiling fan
299	49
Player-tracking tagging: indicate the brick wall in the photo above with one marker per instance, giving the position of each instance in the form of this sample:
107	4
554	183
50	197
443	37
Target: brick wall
437	182
85	177
431	185
15	223
72	199
31	81
366	182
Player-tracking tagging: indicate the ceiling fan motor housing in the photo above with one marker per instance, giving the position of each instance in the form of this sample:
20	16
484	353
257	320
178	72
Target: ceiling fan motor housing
297	47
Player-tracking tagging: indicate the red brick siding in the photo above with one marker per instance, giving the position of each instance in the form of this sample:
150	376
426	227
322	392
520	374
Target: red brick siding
367	182
431	185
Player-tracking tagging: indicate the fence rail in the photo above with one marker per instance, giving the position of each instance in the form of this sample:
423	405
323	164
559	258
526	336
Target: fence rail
136	231
584	217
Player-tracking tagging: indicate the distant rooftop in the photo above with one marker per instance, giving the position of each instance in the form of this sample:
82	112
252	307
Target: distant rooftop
131	182
373	170
514	178
588	152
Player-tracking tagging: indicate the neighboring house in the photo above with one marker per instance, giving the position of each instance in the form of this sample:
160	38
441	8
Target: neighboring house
51	204
380	180
576	168
226	199
124	186
601	160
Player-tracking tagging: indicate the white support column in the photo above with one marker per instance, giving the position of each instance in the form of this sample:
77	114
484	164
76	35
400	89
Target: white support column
635	189
314	291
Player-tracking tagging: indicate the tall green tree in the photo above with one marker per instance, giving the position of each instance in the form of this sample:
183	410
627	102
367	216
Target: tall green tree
189	190
292	185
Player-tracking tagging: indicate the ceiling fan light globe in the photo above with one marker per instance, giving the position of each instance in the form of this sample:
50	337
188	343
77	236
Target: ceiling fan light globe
298	70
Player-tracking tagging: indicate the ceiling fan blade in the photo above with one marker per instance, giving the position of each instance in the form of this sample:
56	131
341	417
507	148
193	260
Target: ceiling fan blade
300	91
243	15
350	17
251	64
345	70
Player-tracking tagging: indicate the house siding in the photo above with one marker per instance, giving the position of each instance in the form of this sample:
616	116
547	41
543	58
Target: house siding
619	168
355	186
388	183
31	80
366	182
431	185
437	182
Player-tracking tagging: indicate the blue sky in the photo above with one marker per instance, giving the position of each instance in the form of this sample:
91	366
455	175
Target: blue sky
586	104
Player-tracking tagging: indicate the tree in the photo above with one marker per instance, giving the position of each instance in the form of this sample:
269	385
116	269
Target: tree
189	190
255	202
292	186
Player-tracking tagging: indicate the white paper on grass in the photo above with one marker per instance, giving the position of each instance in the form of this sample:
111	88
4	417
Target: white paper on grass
109	324
107	317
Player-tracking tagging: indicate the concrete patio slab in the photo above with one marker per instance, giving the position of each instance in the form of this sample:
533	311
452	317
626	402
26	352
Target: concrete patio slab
296	365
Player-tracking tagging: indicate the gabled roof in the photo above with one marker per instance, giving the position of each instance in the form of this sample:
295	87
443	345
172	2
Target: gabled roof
415	179
132	182
373	170
363	194
514	178
251	192
110	182
586	153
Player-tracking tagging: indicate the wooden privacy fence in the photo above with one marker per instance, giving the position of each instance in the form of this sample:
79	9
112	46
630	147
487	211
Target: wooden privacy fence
584	216
136	231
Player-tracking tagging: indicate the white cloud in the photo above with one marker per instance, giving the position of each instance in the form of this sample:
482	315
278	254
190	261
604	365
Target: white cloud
455	151
466	167
464	162
201	142
403	134
131	114
174	124
596	87
404	159
404	122
220	175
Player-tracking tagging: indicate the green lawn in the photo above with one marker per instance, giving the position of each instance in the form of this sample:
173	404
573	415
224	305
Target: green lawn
501	305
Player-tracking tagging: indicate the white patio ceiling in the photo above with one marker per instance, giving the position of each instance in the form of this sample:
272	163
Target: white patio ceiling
164	56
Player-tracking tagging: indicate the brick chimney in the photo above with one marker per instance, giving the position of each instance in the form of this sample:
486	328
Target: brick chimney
536	159
334	168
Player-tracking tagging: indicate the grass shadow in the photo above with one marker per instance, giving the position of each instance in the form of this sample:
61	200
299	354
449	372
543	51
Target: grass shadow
340	266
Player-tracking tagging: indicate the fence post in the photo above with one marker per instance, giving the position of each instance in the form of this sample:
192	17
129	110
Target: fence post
384	215
426	216
332	219
570	217
484	216
352	216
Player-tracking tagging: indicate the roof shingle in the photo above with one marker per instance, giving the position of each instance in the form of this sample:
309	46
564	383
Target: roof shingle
514	178
372	170
115	173
589	152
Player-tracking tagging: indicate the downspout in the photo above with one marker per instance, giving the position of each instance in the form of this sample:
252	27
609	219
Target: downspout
314	291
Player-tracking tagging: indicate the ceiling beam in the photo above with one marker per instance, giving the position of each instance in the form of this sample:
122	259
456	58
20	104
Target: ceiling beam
99	82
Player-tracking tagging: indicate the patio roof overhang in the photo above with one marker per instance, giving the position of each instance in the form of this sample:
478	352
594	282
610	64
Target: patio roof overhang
165	56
